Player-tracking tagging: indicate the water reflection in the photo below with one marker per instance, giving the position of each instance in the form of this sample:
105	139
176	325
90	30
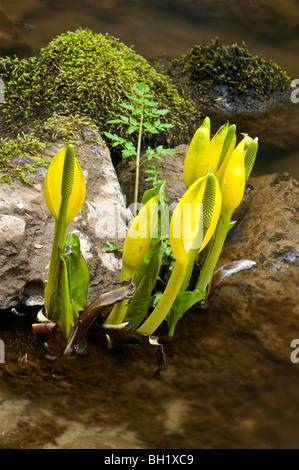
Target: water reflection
172	27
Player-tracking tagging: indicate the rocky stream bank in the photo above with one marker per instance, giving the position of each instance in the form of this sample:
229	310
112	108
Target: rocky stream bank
229	382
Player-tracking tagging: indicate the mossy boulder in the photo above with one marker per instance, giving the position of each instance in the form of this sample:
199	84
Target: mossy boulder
90	75
227	78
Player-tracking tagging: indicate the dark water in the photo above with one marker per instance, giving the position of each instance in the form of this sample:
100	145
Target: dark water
172	27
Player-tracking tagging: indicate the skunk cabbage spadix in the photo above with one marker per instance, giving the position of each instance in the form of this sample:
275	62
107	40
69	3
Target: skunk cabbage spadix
195	217
53	187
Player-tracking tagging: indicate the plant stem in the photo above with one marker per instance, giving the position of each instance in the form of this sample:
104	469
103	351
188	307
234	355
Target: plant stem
138	159
58	242
164	305
211	261
119	310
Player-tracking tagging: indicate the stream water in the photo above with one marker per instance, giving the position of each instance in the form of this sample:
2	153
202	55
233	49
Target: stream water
221	389
172	27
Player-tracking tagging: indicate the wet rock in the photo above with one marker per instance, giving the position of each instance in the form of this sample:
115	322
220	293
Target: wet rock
264	301
27	227
228	83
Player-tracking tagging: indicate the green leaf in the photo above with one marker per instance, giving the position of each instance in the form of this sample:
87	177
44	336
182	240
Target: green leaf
127	154
133	121
115	121
111	136
165	151
124	119
151	103
231	224
137	100
78	274
166	126
149	193
132	129
63	311
156	247
162	112
112	248
141	88
150	128
183	302
154	171
138	307
127	106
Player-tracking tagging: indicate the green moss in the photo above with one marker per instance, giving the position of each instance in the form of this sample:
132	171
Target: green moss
19	157
22	155
87	74
209	66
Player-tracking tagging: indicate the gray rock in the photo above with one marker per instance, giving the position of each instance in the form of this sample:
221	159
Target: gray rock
27	227
264	301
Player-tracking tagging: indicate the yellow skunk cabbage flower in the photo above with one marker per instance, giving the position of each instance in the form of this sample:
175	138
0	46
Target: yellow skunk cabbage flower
64	192
139	237
233	180
135	248
205	155
232	175
198	144
53	186
195	217
192	225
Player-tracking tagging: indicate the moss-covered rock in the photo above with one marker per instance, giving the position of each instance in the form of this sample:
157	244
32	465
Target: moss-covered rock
228	76
87	74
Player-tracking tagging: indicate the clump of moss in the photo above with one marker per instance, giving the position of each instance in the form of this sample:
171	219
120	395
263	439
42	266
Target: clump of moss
208	67
90	74
22	155
19	157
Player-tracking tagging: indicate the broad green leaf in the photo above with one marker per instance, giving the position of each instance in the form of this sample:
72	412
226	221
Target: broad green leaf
156	248
78	275
183	302
138	307
63	311
149	193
